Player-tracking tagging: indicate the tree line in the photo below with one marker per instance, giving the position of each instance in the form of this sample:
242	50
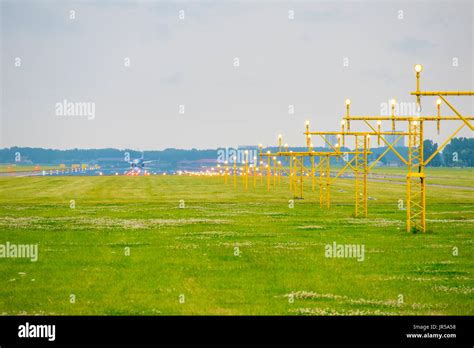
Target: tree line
458	153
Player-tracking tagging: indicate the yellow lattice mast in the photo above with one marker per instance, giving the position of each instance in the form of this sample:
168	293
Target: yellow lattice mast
416	177
359	163
325	181
297	169
416	183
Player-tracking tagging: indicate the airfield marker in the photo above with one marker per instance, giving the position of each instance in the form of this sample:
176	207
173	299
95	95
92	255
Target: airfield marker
235	172
416	178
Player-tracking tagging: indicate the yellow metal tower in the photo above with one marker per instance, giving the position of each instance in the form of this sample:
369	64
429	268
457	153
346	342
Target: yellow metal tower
416	183
360	173
416	177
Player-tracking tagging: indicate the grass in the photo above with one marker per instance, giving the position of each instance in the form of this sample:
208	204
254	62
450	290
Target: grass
437	176
192	251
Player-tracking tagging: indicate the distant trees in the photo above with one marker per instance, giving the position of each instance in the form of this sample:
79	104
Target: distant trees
50	156
459	153
429	147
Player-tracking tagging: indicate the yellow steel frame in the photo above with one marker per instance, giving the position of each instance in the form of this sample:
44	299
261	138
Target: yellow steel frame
325	181
297	171
416	177
360	167
298	176
416	183
360	172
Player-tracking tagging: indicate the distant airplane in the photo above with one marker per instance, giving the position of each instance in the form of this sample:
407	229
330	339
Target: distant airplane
137	166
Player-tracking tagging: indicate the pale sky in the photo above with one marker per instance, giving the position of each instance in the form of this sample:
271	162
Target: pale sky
190	62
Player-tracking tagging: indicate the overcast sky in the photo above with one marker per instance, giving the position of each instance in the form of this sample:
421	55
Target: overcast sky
77	51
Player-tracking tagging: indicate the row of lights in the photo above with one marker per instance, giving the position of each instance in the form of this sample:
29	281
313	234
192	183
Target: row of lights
393	102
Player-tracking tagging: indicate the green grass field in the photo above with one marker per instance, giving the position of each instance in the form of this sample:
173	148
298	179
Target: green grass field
280	267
